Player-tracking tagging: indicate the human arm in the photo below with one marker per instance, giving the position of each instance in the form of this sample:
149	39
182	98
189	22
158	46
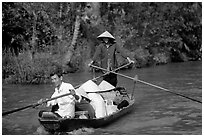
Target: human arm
73	93
52	102
96	54
130	61
122	52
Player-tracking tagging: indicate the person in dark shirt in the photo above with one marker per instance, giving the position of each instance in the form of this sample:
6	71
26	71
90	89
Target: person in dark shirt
106	53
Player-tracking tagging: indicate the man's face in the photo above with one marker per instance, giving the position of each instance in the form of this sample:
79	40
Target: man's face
56	80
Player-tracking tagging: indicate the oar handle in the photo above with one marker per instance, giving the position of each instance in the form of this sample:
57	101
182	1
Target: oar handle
33	105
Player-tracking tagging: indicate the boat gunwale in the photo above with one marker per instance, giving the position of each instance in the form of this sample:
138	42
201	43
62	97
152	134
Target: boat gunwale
107	116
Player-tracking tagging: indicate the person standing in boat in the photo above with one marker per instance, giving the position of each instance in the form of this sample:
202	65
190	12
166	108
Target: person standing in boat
106	52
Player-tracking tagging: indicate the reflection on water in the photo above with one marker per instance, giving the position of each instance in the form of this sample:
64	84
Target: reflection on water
155	111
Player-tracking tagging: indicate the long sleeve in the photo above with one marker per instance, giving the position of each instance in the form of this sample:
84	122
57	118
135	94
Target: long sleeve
121	51
97	52
78	96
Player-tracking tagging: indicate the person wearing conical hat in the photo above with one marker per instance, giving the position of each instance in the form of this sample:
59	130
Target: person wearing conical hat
106	53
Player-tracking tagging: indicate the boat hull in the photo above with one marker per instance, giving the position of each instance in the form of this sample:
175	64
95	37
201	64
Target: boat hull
66	125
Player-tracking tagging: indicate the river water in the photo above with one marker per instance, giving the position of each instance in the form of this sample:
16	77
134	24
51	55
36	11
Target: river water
156	112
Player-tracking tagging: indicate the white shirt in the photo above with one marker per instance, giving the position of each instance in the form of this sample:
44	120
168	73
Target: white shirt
67	103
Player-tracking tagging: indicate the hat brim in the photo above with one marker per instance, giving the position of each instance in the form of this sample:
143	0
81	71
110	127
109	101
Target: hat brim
111	40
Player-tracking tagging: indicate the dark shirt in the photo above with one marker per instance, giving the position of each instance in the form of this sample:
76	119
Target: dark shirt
108	55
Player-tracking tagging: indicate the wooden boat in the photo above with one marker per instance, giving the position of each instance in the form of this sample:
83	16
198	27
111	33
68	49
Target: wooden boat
65	125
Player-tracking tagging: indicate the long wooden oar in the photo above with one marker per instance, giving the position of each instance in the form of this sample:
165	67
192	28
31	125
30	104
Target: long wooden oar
33	105
148	84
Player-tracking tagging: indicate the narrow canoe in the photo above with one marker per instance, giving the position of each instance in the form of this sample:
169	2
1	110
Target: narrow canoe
66	125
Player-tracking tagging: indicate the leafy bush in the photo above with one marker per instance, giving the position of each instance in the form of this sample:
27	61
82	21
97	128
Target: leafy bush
161	58
27	70
143	57
8	62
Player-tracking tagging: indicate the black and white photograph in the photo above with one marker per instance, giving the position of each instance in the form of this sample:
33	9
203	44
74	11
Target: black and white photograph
101	68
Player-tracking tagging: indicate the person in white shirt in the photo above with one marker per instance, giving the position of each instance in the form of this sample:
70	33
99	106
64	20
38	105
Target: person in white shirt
66	104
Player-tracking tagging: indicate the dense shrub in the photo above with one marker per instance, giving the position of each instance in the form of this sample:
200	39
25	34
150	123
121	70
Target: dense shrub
23	69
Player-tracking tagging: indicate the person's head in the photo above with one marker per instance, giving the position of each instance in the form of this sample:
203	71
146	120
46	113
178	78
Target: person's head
56	77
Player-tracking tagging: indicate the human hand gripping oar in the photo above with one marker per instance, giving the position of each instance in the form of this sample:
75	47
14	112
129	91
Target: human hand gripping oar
33	105
148	84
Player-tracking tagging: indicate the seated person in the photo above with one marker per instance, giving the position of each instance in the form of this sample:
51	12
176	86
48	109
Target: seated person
121	98
97	101
108	94
66	104
83	103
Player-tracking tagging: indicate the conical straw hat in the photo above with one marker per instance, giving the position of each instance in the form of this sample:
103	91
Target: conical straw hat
104	85
106	34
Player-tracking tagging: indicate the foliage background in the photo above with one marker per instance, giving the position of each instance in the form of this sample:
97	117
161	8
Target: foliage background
37	36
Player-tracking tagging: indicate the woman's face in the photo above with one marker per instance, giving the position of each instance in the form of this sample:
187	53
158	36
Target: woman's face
106	40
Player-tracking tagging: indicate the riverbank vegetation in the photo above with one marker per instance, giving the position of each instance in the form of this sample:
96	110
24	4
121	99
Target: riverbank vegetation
37	36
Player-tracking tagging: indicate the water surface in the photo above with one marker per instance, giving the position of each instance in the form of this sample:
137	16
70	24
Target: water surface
156	112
